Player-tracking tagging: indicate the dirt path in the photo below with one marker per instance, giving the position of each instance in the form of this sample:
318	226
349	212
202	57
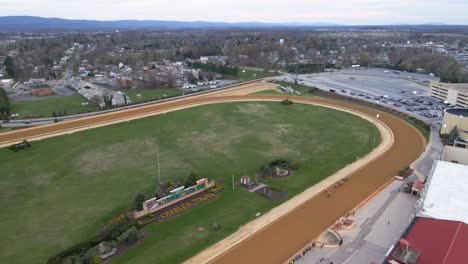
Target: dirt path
290	230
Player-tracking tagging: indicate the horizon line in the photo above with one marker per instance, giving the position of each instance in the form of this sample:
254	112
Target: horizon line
246	22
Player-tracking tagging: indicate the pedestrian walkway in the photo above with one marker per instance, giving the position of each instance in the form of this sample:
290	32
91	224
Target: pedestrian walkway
258	187
378	224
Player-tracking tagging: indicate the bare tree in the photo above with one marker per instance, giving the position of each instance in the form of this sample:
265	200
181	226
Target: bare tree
96	100
170	81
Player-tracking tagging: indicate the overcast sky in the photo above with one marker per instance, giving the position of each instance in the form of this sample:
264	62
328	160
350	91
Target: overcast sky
350	12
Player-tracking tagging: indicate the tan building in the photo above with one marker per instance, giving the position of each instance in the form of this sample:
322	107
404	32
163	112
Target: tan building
455	155
456	118
452	93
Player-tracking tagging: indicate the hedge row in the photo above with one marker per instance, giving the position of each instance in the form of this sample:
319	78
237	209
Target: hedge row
111	233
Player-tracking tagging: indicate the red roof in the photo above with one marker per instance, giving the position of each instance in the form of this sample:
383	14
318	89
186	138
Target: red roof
418	185
439	241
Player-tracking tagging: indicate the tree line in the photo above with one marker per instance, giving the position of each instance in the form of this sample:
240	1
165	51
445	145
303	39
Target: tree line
302	68
9	67
445	67
5	107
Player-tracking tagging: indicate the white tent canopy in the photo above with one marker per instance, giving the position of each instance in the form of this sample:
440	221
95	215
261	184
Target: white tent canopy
447	194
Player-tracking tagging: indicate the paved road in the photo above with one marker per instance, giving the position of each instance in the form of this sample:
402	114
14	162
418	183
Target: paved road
371	237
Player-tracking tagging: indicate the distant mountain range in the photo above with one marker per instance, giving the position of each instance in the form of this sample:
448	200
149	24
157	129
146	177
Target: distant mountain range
40	24
31	23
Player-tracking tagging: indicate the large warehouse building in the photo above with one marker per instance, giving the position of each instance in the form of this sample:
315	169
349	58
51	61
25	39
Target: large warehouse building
452	93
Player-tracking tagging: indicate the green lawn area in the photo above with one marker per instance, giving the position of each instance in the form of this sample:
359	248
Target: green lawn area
61	191
4	129
149	94
248	74
299	87
45	107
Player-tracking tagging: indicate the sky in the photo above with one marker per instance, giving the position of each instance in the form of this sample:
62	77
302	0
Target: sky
346	12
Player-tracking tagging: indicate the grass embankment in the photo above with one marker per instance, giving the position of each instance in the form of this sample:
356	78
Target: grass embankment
45	107
73	104
4	129
61	191
303	89
151	94
250	74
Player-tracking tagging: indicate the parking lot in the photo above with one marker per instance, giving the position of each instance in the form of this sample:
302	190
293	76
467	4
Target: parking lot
406	92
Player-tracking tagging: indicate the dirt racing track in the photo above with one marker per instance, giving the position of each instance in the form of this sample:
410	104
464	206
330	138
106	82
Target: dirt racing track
282	237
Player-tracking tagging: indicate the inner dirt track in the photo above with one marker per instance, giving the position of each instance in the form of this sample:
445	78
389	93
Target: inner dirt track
278	241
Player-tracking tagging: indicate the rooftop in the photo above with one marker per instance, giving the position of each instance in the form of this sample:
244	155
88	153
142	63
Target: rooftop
418	185
458	111
439	241
447	193
460	87
40	86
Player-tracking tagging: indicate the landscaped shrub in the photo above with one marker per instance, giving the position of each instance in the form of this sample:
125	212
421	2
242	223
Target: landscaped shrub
286	102
21	146
146	220
295	165
118	220
283	164
129	237
266	171
96	260
191	179
406	172
139	200
113	230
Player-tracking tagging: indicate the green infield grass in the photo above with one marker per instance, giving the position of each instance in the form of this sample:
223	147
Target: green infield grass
62	190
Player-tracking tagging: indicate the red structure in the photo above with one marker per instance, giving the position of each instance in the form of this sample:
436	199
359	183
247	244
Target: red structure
42	91
436	241
417	187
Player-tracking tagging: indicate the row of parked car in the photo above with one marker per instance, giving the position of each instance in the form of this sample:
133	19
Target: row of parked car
421	106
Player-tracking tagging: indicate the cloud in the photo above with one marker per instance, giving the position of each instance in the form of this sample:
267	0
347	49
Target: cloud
338	11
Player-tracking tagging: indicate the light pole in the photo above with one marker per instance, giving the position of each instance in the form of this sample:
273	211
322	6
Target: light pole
459	122
159	168
459	125
445	134
373	138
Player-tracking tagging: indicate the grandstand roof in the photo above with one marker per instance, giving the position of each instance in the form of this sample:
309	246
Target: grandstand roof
439	241
447	193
